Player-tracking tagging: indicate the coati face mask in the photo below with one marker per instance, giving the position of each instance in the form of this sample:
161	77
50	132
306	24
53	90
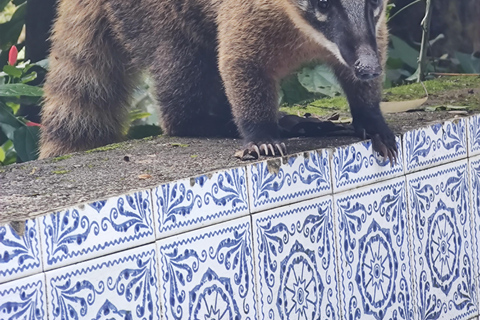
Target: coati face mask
347	28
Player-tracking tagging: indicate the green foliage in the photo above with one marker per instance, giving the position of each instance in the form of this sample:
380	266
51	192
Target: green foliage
18	137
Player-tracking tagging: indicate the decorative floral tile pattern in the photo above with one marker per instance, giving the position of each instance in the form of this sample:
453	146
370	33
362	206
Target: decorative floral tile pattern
208	273
24	299
120	286
19	256
296	263
99	228
281	181
444	265
474	135
357	165
372	231
434	145
474	173
193	203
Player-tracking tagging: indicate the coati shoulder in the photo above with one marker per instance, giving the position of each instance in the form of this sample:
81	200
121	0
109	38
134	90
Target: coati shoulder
216	65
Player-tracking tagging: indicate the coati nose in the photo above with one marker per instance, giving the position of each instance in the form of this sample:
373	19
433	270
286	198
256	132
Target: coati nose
367	67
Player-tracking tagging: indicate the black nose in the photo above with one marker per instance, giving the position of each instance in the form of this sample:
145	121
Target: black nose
367	67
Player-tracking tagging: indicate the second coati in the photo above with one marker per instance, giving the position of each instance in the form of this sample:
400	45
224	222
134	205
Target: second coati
212	61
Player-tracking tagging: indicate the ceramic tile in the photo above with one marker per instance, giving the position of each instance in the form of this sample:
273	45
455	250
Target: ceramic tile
197	202
474	174
20	256
24	299
474	135
372	232
119	286
208	273
281	181
357	165
295	261
443	257
435	145
88	231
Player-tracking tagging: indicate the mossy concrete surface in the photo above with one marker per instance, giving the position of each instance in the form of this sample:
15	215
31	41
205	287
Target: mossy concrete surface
463	91
40	187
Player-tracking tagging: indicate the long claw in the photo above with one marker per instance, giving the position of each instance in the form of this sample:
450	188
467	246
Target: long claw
279	148
284	148
272	150
263	147
255	148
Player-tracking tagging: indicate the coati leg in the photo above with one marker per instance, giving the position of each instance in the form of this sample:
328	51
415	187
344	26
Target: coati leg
189	92
364	99
88	85
253	96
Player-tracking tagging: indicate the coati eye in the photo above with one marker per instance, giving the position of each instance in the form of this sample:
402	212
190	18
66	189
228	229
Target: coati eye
324	4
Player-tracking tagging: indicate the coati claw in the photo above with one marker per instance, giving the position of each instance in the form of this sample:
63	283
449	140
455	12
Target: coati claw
255	150
272	149
281	148
390	152
264	149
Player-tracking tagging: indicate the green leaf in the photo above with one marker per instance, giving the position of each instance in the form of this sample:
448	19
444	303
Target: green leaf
10	31
401	50
20	89
29	77
10	154
12	71
2	155
25	140
469	63
320	79
3	4
8	122
42	64
138	114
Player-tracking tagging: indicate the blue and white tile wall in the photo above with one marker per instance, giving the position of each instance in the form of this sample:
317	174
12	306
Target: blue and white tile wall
328	234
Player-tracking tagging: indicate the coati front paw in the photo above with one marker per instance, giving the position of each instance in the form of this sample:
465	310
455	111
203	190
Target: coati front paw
256	150
383	139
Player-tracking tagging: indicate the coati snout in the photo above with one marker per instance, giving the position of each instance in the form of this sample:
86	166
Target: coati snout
351	27
216	65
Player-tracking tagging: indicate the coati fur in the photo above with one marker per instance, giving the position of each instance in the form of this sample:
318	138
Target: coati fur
214	62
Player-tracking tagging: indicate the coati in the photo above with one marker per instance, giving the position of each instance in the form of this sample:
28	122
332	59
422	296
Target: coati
212	61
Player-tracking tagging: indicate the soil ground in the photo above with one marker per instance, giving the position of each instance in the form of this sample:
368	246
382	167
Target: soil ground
39	187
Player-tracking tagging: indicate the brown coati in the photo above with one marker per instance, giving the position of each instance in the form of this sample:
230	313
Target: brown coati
212	61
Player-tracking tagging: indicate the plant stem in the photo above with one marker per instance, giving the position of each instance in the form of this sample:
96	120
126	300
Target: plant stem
403	8
422	63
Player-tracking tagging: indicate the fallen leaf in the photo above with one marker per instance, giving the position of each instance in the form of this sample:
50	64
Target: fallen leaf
144	176
402	106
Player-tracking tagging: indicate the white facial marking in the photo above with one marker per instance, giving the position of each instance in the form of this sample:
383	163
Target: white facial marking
316	35
320	16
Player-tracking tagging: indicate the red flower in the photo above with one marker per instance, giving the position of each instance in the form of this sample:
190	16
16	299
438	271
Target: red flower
12	56
32	124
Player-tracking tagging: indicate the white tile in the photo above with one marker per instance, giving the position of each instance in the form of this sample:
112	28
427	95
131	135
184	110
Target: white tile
474	174
295	261
281	181
20	256
372	231
88	231
24	299
192	203
357	165
119	286
444	268
208	273
435	145
474	135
